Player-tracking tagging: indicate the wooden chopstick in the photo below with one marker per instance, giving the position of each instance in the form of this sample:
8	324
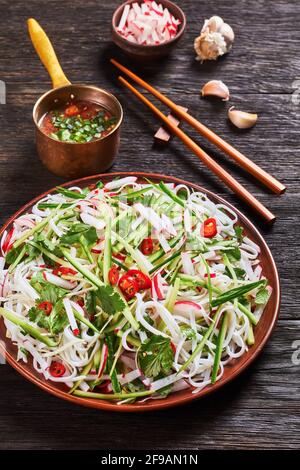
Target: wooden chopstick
264	177
205	158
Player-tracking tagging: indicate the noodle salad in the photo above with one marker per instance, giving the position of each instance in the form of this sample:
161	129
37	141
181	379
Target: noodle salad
127	290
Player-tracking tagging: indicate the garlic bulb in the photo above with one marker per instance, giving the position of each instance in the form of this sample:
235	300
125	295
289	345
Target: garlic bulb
241	119
216	39
216	88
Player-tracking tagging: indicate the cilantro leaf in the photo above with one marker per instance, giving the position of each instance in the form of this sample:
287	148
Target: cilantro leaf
262	296
239	233
156	356
77	231
110	300
234	254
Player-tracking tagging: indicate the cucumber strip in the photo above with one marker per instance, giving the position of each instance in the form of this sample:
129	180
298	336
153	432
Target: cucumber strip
84	320
116	357
85	272
250	338
202	343
112	396
35	229
107	251
69	193
135	254
160	253
31	330
209	285
164	262
194	281
171	195
130	339
133	194
85	249
48	253
85	371
110	361
52	205
219	348
173	295
236	292
17	260
118	263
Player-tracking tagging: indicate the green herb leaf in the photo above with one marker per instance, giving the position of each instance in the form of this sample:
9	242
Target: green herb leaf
262	296
234	254
239	233
110	300
78	230
155	356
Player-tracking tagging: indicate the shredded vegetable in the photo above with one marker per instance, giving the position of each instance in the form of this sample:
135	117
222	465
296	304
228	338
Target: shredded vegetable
130	289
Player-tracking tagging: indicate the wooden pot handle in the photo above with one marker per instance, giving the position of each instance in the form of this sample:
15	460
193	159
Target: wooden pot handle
46	53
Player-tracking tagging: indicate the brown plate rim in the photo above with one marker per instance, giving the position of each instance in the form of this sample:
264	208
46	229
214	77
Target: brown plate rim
166	402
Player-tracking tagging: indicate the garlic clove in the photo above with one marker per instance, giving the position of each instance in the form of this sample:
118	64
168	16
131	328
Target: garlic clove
241	119
216	88
227	33
215	39
214	24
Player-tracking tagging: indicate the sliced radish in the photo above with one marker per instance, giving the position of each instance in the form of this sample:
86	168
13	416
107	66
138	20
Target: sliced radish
92	221
148	23
187	265
58	281
71	317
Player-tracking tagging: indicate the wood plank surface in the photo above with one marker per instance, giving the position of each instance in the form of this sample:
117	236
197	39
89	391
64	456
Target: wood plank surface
260	409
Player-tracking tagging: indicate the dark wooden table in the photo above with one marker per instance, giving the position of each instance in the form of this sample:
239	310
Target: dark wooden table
260	409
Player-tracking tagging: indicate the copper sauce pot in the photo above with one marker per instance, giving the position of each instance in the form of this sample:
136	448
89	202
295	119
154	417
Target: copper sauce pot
71	160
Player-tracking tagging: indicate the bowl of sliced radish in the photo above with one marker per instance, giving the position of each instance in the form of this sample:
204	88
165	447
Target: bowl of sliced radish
146	29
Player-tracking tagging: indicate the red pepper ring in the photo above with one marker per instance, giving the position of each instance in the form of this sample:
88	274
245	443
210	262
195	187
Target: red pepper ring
147	246
143	281
209	228
64	271
113	275
46	307
57	369
128	286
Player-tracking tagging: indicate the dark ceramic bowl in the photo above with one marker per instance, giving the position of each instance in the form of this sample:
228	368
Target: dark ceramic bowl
144	52
262	331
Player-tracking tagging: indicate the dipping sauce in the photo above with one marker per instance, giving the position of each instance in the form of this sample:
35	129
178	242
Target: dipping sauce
78	122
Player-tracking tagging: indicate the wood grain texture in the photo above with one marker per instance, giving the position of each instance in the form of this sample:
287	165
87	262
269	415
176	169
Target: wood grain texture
261	409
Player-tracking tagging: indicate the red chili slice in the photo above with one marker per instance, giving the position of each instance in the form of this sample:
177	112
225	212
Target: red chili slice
46	307
72	110
64	271
209	228
57	369
147	246
113	275
128	286
80	302
143	281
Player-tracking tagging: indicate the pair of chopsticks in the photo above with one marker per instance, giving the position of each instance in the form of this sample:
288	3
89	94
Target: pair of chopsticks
268	180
